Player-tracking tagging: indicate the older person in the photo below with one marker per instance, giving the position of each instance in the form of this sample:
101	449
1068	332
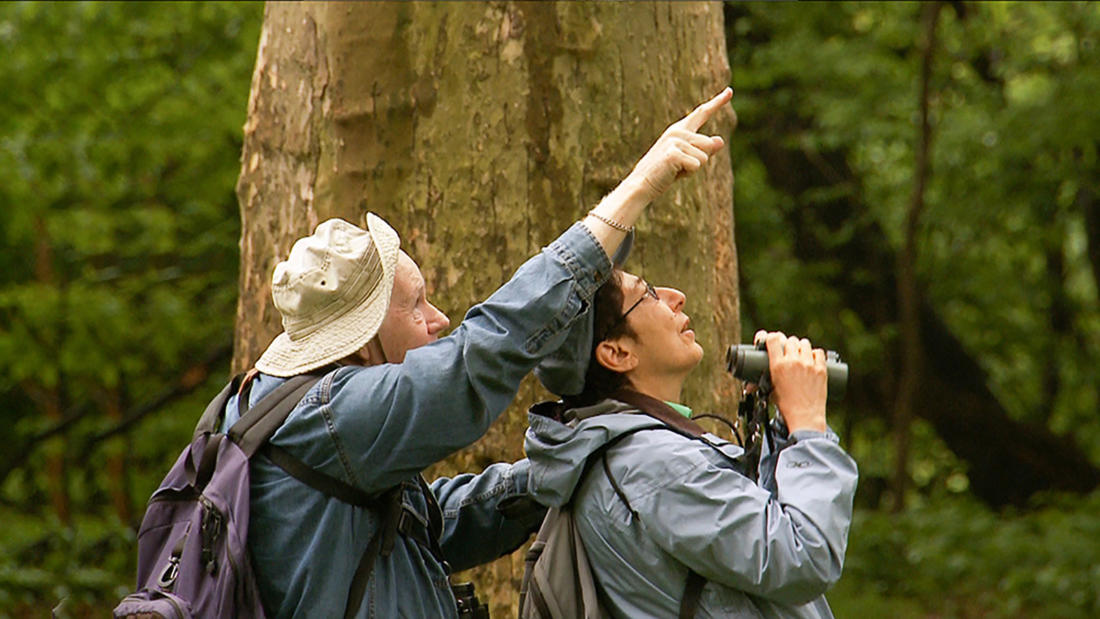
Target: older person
396	397
673	525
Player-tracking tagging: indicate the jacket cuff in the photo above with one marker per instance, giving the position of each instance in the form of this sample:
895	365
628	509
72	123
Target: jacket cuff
584	257
806	435
517	504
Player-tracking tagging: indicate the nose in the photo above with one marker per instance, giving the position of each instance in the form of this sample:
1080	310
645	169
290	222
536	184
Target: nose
437	321
672	298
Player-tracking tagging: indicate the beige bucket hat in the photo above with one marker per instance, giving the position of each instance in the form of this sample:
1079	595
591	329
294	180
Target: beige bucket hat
332	292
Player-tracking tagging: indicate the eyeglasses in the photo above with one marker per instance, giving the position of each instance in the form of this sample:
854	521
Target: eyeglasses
650	292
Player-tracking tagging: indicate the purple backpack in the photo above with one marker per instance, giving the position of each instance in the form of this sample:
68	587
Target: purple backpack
193	559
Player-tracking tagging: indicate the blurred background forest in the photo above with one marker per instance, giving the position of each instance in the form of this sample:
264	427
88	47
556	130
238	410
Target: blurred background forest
916	186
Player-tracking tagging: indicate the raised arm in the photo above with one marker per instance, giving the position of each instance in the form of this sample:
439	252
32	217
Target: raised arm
389	421
785	539
679	152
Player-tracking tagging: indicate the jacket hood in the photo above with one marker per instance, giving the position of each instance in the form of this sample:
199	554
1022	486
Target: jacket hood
557	449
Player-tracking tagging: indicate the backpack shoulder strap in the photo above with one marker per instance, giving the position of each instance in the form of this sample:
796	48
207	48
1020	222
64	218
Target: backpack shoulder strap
258	423
215	410
390	504
675	421
198	475
693	588
600	452
693	591
660	411
252	431
394	520
322	482
558	522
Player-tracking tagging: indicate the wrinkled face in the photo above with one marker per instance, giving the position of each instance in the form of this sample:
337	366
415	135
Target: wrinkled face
663	342
411	321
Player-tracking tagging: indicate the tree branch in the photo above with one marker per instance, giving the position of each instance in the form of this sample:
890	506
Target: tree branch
190	380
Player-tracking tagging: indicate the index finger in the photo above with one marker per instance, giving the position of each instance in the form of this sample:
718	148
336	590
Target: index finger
701	114
759	337
775	345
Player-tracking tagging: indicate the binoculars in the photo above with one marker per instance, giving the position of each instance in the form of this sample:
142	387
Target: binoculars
750	364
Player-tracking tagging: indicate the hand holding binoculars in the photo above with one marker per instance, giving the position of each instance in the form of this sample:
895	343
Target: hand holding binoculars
750	364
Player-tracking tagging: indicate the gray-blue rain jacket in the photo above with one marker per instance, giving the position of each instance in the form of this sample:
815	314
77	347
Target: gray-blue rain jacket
767	550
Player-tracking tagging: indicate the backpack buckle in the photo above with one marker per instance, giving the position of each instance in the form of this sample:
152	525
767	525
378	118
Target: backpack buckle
172	570
170	573
412	527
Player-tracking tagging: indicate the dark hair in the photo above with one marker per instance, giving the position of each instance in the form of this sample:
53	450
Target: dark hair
607	308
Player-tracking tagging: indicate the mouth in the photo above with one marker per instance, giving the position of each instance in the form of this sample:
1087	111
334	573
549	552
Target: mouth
686	328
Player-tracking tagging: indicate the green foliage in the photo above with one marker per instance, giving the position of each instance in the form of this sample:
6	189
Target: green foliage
118	159
119	145
120	138
81	566
955	558
1002	255
1002	251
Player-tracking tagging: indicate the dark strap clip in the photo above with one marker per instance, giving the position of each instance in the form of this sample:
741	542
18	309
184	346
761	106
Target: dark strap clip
406	524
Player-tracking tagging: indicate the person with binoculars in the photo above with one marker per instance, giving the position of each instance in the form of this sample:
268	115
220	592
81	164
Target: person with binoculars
680	521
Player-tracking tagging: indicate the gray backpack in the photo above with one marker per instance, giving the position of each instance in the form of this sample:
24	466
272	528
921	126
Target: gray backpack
558	582
192	555
557	579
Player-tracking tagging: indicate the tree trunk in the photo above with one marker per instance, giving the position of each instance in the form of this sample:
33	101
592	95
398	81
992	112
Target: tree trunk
117	449
1090	207
480	132
909	297
48	396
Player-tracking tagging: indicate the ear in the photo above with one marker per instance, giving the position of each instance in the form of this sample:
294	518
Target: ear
616	355
372	353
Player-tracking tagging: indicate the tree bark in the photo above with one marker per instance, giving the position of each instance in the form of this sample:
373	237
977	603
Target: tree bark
480	132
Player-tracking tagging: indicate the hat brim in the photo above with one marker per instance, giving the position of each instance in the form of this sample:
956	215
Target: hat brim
344	334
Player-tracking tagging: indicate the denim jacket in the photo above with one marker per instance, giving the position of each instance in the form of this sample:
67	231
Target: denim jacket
767	548
376	427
